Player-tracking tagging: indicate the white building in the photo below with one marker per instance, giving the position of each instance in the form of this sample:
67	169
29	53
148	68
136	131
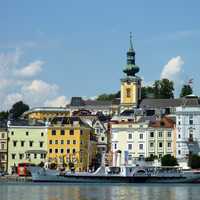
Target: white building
188	131
132	141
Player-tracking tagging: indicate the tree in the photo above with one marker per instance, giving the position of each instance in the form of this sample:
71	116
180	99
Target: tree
168	160
4	115
186	90
18	109
194	161
161	89
108	97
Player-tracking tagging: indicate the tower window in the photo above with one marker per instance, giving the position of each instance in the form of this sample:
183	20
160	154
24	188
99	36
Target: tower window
128	92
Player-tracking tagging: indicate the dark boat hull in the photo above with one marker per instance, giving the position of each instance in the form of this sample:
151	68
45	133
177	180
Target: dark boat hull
115	179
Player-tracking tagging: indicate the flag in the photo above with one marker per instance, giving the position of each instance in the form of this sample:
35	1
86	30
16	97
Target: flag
190	81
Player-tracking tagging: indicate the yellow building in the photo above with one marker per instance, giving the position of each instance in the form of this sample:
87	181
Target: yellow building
46	113
71	143
130	84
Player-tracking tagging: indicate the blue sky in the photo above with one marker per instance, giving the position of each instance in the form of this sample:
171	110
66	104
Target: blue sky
52	50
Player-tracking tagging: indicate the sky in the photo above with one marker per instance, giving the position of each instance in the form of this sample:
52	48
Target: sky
53	50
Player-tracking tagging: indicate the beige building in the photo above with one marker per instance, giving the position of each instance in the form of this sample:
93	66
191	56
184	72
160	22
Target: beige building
27	143
132	141
3	148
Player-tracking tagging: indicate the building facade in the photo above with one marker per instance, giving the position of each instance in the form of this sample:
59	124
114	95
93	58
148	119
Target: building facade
46	113
132	141
188	131
71	143
3	148
27	143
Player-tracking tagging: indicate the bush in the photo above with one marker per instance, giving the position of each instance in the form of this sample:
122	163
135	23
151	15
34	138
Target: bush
194	161
168	160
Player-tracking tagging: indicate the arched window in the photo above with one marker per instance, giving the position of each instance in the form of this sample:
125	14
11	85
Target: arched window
128	92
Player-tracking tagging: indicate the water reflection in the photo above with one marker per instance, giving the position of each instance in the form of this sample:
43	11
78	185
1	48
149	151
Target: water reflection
98	192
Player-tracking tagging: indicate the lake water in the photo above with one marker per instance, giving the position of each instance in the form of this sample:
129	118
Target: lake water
32	191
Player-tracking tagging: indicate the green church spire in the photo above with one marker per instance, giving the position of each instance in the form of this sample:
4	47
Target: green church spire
131	68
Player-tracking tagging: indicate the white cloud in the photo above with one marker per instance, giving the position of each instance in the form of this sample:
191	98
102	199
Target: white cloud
31	70
172	69
40	87
15	86
60	101
8	62
10	99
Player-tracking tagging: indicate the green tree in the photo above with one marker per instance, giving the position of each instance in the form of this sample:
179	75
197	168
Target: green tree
168	160
4	115
194	161
161	89
18	109
186	90
108	97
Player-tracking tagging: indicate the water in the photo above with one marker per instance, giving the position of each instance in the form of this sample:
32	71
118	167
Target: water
32	191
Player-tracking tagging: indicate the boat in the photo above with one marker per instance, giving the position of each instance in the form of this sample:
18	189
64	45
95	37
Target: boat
122	174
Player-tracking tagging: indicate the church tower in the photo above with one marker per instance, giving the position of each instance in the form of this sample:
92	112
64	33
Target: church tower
130	84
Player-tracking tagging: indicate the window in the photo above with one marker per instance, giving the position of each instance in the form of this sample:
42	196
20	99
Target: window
3	135
62	142
35	155
179	123
22	143
14	143
141	146
102	138
21	156
61	150
42	155
56	141
56	150
53	132
81	132
42	134
27	155
81	142
74	141
152	134
179	136
115	146
2	145
50	150
12	132
160	155
13	156
71	132
130	136
129	146
62	132
68	141
179	152
169	144
160	134
30	143
160	144
141	136
68	150
27	133
151	144
128	92
73	150
169	134
191	119
50	142
41	144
